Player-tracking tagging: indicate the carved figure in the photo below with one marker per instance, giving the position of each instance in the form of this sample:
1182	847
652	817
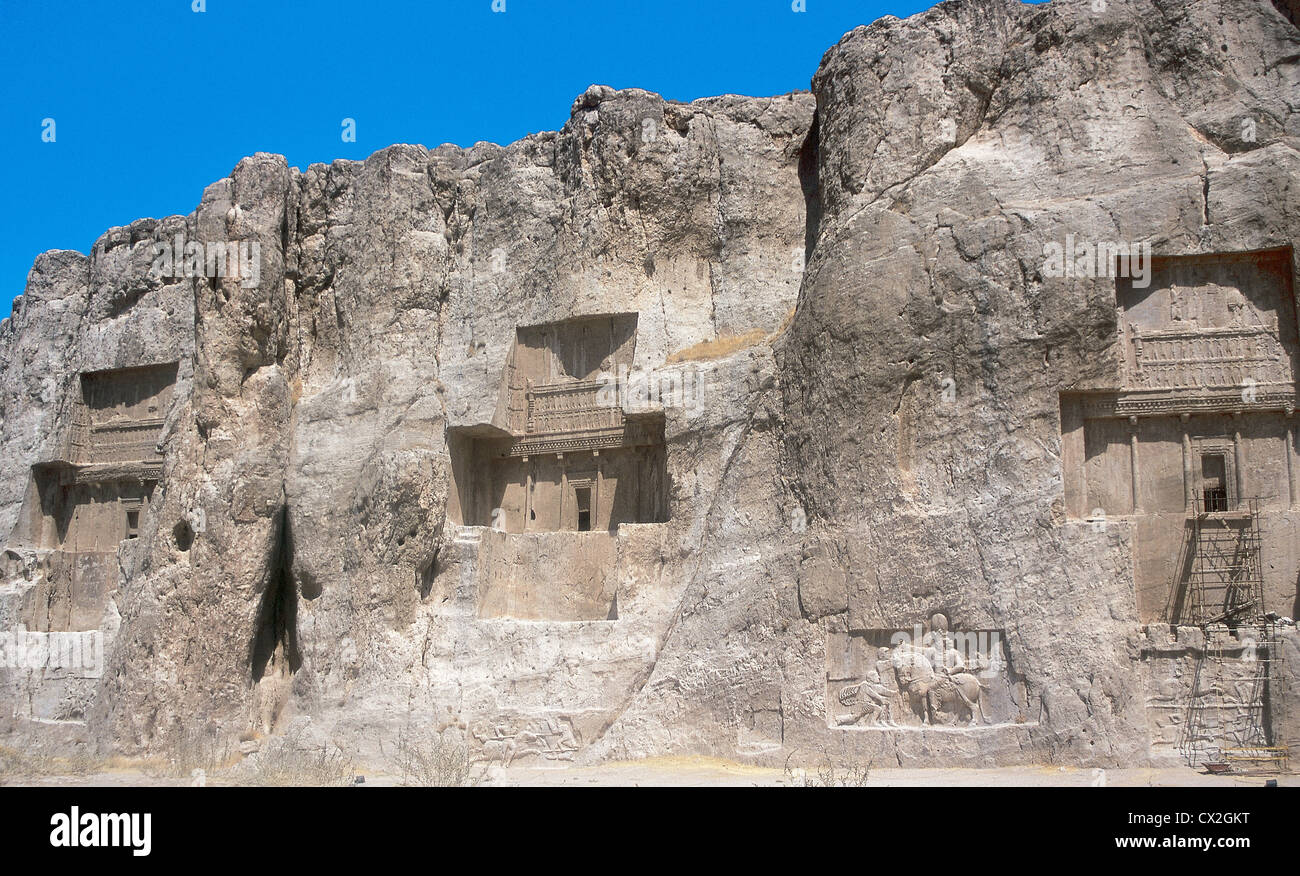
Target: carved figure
938	688
869	699
955	698
930	677
915	674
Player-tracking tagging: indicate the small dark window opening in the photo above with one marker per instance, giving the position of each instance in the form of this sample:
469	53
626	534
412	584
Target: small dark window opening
1216	499
583	495
1214	482
133	524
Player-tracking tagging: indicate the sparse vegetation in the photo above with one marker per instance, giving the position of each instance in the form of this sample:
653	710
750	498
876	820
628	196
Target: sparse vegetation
290	760
187	749
846	770
432	761
17	764
718	347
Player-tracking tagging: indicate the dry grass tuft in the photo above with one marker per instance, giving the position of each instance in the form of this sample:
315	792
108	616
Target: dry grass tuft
16	764
718	347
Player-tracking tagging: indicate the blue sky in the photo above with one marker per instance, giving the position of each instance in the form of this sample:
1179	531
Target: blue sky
151	101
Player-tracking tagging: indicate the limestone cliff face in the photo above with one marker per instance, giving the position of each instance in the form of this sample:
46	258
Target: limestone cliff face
856	273
296	556
922	373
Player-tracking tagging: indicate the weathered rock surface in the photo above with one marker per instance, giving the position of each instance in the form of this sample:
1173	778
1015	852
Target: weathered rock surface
879	440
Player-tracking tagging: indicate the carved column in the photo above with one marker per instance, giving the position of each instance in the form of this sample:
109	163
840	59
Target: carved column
1133	461
640	468
1239	463
1189	473
1289	444
528	493
595	499
564	489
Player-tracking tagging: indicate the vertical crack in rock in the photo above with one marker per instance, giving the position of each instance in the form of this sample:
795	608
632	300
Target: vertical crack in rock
808	155
275	640
426	574
1205	191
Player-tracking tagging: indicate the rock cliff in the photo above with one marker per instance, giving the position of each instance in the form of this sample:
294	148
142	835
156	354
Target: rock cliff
851	279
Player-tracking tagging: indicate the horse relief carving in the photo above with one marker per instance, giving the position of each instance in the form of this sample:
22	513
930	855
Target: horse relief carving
926	677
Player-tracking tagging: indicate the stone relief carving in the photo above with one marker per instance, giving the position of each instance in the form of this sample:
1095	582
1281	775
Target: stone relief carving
1209	322
1189	359
506	739
926	676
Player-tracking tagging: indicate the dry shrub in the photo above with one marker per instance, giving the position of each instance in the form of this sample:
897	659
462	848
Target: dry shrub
291	760
843	770
432	761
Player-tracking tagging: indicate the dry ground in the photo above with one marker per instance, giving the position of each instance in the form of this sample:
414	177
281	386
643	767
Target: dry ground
715	772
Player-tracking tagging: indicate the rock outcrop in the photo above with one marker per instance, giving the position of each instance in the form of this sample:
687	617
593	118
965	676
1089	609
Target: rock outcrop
852	280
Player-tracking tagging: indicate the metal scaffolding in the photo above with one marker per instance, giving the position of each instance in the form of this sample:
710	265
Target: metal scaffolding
1227	723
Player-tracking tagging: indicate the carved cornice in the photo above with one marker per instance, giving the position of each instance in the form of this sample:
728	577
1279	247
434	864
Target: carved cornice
1270	398
109	472
567	443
